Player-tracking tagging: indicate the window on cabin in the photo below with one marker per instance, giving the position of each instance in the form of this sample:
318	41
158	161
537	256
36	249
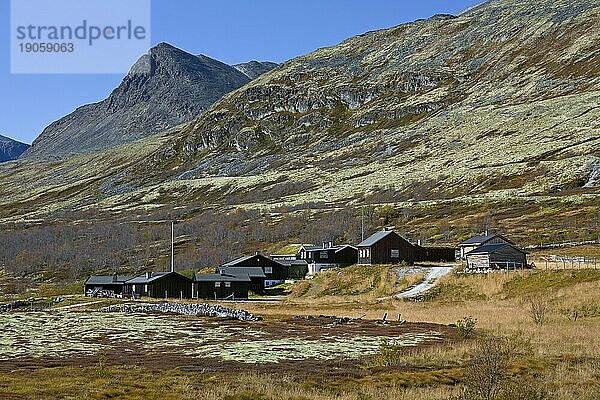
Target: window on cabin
217	284
395	253
324	255
227	284
268	270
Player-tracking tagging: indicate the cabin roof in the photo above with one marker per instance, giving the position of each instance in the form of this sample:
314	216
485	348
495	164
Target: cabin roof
107	279
492	248
221	278
153	276
290	249
335	248
376	237
252	272
342	247
478	240
289	263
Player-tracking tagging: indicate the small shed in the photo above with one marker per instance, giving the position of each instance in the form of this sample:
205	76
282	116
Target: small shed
221	286
477	241
386	247
160	285
497	256
111	283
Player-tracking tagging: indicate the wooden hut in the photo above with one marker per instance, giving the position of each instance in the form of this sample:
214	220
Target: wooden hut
328	255
386	247
221	286
160	285
496	256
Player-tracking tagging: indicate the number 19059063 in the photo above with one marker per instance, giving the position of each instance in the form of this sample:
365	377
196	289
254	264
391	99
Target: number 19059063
47	47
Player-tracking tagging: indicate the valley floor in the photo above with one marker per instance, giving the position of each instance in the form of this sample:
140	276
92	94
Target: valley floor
558	358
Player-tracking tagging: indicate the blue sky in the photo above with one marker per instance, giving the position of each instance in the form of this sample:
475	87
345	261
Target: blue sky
232	31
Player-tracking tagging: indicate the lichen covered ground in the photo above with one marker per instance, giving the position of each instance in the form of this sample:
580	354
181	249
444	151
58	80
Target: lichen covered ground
68	335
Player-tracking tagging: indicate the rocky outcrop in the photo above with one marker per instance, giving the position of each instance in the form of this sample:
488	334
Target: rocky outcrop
594	175
11	149
254	69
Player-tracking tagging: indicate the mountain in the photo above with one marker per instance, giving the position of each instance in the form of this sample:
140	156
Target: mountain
254	69
501	97
491	112
164	88
11	149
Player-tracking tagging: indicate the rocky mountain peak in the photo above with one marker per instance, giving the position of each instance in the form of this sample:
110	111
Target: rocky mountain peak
164	88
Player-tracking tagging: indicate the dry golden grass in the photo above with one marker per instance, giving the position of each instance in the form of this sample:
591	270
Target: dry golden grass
351	285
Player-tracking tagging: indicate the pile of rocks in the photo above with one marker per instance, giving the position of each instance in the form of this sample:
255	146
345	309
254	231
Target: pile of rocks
208	310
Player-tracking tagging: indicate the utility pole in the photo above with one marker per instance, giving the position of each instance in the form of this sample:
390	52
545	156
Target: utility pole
362	224
172	246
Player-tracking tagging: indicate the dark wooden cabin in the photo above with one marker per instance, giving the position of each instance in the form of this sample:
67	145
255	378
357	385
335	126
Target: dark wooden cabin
160	285
497	256
112	283
274	272
221	286
386	247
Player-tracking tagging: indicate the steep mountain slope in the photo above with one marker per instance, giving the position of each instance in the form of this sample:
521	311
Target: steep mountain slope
503	96
498	105
164	88
11	149
254	69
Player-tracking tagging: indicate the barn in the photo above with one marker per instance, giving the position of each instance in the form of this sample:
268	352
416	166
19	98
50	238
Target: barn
160	285
221	286
496	256
108	283
386	247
